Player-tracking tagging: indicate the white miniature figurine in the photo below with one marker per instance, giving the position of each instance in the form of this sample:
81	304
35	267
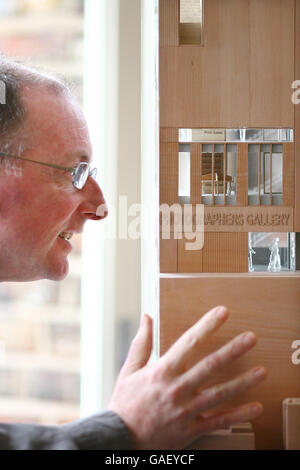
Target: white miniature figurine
274	263
250	253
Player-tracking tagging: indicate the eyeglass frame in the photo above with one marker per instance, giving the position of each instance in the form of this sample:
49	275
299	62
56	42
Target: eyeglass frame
71	170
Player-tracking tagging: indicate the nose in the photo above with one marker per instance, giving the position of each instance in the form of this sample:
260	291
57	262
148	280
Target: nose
93	206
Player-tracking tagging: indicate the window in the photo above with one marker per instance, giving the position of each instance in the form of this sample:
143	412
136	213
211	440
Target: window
236	135
219	163
265	174
191	22
218	174
272	252
184	168
40	321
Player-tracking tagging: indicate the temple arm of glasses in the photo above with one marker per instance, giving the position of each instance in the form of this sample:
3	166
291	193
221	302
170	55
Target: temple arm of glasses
52	165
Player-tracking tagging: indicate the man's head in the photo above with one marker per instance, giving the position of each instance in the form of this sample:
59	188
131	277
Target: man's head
40	121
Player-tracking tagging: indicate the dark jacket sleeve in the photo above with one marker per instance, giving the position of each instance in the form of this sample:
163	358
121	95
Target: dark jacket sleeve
103	431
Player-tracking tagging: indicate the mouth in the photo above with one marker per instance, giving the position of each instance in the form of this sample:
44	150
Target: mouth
66	235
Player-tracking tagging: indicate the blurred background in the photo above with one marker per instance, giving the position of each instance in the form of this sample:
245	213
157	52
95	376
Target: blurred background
40	321
61	344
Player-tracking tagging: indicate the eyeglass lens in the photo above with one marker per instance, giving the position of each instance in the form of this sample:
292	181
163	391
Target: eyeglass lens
81	175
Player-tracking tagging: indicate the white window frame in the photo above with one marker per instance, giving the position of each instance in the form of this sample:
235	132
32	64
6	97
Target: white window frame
98	329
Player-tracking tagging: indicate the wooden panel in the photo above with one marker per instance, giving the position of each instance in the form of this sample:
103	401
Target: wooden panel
244	219
291	423
168	256
288	175
169	173
168	134
189	261
225	253
196	173
169	15
221	253
242	175
271	62
297	123
275	320
237	437
207	86
241	76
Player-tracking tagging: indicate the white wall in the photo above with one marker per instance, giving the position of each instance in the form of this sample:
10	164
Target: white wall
111	273
128	275
150	164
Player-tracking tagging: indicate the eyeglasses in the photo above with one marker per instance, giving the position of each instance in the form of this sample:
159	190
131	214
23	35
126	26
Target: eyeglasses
80	173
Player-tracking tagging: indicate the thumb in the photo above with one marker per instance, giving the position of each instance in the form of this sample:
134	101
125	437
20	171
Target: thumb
140	349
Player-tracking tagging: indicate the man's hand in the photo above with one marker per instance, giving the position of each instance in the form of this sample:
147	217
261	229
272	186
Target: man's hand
163	404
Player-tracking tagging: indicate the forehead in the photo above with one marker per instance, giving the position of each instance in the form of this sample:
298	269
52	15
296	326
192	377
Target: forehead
55	128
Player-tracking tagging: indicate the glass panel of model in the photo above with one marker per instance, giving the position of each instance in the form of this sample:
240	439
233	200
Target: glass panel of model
272	165
265	174
236	135
253	174
184	166
218	180
271	252
230	172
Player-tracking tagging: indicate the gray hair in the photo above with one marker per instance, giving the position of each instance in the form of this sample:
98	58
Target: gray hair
14	77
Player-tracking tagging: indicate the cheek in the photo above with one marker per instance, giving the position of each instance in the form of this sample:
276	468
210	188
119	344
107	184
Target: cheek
54	215
12	200
34	209
47	217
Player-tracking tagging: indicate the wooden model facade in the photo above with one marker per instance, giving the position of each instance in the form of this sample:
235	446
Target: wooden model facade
226	107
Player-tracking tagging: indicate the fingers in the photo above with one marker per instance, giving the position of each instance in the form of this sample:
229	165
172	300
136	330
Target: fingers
203	370
225	419
140	349
217	395
185	347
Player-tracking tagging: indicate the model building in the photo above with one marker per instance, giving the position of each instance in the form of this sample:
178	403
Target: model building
230	141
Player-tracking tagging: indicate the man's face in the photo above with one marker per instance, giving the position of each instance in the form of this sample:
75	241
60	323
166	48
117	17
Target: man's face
36	207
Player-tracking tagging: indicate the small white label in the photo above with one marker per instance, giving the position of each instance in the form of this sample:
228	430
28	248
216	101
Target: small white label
206	135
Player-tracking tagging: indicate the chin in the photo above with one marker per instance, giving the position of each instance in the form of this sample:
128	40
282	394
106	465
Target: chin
57	272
